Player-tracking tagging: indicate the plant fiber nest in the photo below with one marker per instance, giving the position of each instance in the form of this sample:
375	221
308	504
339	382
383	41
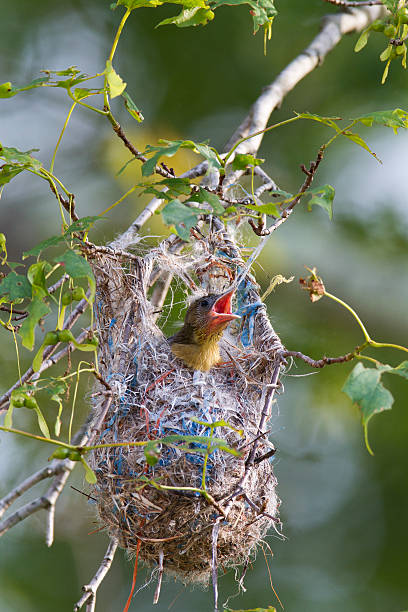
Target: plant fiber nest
152	509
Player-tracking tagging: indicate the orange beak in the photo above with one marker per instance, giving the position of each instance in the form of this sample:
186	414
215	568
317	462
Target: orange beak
220	313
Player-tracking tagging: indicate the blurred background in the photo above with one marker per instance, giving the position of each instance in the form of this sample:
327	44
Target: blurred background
343	511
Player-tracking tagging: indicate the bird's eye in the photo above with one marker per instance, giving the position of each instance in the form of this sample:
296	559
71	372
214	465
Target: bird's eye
204	303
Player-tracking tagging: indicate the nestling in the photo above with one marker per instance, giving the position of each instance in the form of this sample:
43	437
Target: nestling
196	344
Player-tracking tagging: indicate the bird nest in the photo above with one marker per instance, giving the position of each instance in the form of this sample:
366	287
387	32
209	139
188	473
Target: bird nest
191	487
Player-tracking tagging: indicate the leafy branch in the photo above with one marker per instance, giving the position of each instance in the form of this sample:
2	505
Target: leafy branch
363	385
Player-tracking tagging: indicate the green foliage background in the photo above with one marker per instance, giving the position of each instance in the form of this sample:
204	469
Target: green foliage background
343	511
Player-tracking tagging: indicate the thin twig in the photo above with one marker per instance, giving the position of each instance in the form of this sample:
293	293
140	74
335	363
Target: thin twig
351	3
265	412
334	27
130	235
324	361
28	483
47	360
214	563
159	578
91	589
59	470
310	174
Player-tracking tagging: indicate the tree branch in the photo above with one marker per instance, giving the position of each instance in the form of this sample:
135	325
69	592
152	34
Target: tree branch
59	470
324	361
91	589
350	3
334	27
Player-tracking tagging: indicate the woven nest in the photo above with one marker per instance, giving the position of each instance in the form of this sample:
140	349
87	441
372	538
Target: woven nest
151	508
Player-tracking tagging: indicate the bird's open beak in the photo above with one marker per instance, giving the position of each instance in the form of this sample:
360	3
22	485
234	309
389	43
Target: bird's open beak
221	313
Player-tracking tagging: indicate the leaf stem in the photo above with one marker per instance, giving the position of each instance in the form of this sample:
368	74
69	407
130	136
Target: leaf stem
89	106
61	135
388	345
110	58
268	129
41	438
353	312
131	190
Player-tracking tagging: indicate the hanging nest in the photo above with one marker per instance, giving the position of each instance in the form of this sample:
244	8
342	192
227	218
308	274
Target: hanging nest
205	496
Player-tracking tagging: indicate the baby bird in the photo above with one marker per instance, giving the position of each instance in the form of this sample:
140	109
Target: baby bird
196	344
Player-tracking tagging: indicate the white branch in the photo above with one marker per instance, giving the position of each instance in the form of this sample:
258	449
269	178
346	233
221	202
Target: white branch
334	27
89	596
59	470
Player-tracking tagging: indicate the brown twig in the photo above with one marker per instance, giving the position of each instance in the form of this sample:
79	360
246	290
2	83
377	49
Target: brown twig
159	169
69	205
310	174
324	361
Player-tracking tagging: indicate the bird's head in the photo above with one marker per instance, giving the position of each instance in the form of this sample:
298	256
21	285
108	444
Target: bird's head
210	315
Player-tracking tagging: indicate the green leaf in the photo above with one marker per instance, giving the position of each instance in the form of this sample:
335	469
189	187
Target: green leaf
41	421
115	83
76	266
262	11
221	423
182	217
8	419
6	90
271	208
134	4
329	121
13	156
400	370
36	276
189	17
394	119
90	475
38	359
7	172
364	388
362	41
205	197
152	452
268	609
132	108
358	140
16	162
176	186
86	346
35	251
215	443
386	53
3	248
37	310
206	151
16	286
83	224
80	93
56	388
391	5
170	148
70	71
322	196
243	160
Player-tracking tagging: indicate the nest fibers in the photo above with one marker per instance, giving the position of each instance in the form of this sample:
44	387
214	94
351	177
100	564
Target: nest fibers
159	509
